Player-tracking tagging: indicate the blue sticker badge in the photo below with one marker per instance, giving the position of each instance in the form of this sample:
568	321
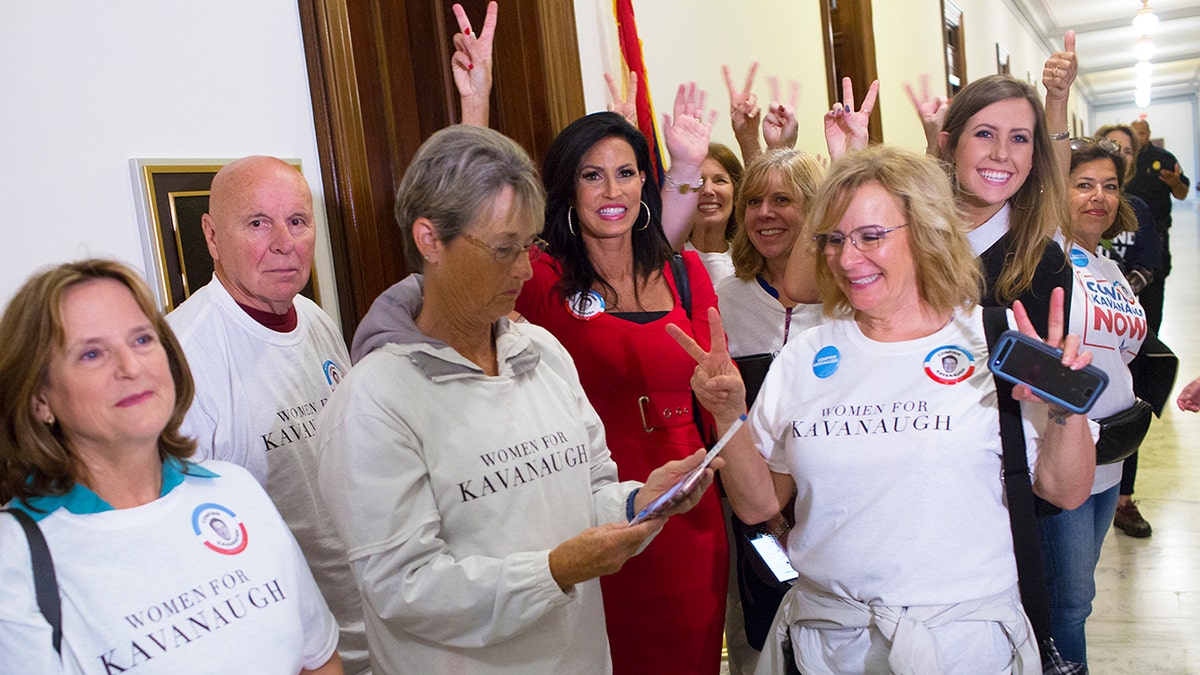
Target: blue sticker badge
1078	257
825	363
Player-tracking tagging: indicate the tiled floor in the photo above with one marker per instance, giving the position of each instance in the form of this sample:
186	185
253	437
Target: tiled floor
1146	617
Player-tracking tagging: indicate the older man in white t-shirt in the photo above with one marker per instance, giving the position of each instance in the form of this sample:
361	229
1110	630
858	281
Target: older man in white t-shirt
265	360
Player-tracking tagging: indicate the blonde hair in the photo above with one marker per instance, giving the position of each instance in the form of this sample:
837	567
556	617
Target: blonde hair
800	173
948	275
1039	206
35	458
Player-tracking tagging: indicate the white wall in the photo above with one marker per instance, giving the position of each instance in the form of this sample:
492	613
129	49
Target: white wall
685	45
90	85
786	37
1173	122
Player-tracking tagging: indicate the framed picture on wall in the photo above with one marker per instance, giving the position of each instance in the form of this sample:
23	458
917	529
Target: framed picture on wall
173	198
1003	61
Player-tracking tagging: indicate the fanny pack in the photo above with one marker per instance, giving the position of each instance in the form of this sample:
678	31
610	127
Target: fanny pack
1122	433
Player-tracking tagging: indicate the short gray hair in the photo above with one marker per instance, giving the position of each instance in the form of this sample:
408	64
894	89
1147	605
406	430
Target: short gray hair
457	173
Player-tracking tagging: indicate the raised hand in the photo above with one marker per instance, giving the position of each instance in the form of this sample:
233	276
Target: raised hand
780	128
845	129
1072	357
1060	70
931	111
1189	398
1171	178
688	131
471	64
624	105
716	380
744	112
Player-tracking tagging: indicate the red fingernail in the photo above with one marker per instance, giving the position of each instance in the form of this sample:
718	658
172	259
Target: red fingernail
467	30
470	66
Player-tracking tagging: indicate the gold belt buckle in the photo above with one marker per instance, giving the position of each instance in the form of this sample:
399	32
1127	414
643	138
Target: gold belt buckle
642	401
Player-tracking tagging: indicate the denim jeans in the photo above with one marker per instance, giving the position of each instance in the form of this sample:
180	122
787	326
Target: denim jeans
1070	544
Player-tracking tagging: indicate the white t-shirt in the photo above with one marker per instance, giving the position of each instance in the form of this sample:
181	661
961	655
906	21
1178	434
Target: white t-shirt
756	322
207	578
718	265
258	392
895	451
1106	315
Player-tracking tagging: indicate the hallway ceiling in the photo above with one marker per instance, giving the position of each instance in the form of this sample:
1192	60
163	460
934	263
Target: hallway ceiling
1105	41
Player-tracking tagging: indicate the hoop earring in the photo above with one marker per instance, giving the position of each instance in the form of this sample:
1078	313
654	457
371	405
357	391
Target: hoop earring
647	217
570	225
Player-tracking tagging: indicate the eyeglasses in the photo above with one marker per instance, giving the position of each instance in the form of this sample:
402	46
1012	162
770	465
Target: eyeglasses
1105	144
507	255
865	238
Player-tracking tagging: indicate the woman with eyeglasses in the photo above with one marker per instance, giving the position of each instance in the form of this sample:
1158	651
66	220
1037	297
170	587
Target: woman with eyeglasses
606	289
1107	314
882	423
464	467
994	139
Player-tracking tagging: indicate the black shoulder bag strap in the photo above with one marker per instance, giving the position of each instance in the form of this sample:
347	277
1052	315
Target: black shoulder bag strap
45	583
679	271
684	288
1021	514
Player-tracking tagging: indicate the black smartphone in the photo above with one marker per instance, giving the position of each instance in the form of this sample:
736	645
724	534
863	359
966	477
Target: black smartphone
1021	359
774	555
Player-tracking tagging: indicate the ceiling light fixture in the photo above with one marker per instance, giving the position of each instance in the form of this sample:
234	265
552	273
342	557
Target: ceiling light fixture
1145	20
1144	49
1142	70
1142	98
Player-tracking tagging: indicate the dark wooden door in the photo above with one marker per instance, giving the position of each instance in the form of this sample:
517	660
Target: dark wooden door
850	52
380	80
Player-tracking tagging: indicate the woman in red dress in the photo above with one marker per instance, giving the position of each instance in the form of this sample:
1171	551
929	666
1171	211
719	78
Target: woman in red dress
607	292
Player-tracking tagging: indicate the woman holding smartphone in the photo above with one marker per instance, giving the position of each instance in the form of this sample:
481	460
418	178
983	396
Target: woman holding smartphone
913	569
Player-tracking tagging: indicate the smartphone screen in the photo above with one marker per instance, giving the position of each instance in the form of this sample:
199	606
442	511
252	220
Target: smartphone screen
774	555
1017	359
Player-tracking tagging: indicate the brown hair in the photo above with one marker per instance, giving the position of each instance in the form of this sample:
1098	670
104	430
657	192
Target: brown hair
801	174
456	175
35	458
1091	151
1134	143
721	154
948	274
1039	207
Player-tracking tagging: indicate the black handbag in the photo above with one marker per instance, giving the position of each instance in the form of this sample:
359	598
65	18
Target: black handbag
754	370
1122	433
1153	370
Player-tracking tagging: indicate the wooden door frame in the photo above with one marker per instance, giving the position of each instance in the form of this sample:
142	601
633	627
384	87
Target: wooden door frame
537	90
